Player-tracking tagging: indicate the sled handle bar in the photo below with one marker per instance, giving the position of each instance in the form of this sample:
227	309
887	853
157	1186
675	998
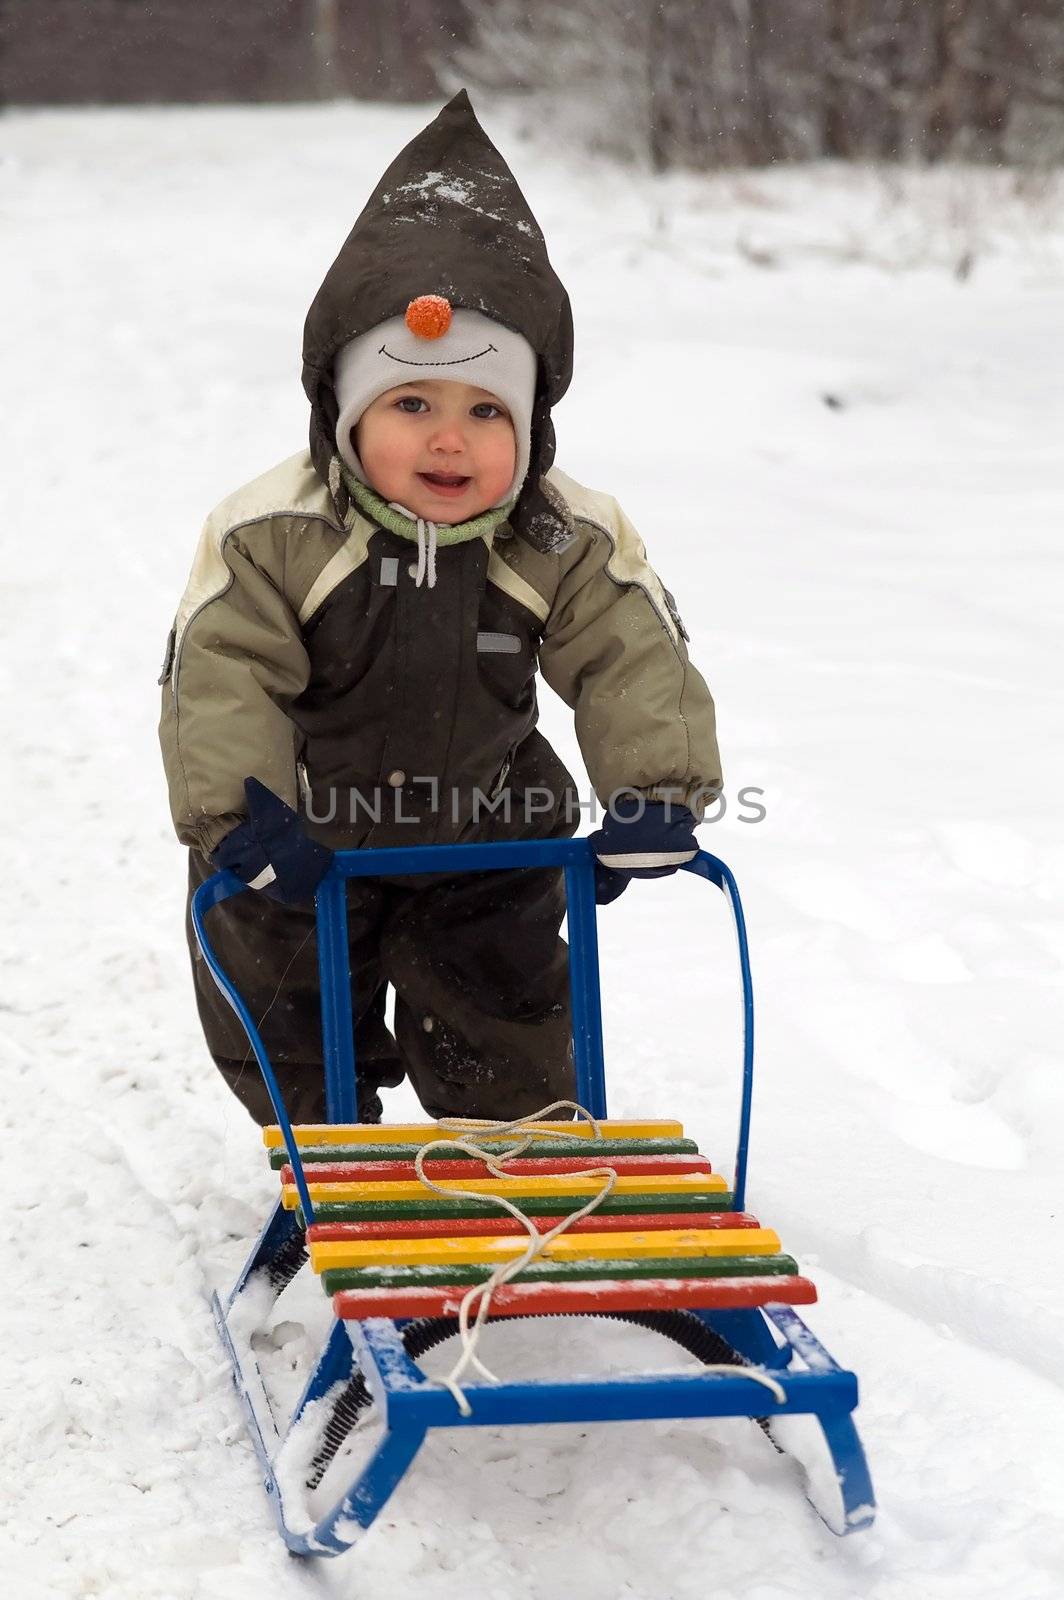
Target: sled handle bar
577	859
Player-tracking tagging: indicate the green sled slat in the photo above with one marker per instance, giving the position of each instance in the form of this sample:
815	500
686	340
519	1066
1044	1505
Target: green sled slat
533	1205
546	1147
562	1271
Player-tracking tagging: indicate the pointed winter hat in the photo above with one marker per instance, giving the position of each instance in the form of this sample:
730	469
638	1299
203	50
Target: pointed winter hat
447	218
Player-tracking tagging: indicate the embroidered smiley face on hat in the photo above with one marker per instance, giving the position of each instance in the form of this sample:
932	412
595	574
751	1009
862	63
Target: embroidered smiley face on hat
430	317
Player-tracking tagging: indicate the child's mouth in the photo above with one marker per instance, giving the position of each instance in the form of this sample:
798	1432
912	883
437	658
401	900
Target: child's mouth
445	483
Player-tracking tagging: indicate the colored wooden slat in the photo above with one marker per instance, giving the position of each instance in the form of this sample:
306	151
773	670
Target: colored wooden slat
535	1205
519	1167
425	1132
566	1247
314	1154
513	1188
546	1299
561	1271
463	1227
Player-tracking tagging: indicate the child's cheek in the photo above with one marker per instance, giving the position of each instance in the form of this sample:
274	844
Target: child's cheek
386	449
504	459
400	446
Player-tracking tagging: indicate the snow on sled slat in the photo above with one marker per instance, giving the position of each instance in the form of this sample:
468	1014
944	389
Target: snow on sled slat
418	1133
529	1166
545	1299
458	1227
433	1205
312	1154
566	1247
609	1267
681	1185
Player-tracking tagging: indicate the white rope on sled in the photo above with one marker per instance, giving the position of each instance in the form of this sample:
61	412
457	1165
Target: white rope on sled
537	1241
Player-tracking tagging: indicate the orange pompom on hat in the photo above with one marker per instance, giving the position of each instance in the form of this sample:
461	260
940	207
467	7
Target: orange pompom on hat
429	316
433	339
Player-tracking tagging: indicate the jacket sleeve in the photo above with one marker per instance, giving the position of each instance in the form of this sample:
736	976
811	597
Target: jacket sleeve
614	650
236	662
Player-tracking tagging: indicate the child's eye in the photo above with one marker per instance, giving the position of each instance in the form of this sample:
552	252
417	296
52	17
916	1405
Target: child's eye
409	400
488	405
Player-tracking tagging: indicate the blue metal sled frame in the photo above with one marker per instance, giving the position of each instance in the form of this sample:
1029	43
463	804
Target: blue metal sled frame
773	1337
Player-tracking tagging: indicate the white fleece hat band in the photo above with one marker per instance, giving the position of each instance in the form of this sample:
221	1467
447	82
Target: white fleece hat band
474	349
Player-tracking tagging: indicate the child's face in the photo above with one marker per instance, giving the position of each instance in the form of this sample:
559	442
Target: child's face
422	430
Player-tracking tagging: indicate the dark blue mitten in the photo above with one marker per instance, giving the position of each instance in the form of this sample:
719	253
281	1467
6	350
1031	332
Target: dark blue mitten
271	852
640	840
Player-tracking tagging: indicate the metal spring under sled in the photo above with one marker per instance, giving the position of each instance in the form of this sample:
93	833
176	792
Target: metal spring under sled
673	1249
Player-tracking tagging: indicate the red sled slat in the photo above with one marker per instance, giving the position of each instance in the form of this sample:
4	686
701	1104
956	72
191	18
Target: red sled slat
492	1227
612	1294
404	1171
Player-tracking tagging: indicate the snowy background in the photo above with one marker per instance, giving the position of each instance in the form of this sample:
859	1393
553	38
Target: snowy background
832	401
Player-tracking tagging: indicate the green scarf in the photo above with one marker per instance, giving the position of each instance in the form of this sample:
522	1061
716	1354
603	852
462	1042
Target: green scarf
381	512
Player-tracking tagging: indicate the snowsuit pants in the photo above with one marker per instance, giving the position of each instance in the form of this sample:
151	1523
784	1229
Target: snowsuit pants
480	974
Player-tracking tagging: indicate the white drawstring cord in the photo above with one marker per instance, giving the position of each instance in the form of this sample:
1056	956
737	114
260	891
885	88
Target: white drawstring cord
426	557
432	555
419	580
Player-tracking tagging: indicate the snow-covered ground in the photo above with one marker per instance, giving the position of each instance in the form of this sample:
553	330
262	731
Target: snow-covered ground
833	403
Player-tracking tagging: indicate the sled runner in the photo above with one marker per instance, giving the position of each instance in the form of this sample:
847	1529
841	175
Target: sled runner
620	1220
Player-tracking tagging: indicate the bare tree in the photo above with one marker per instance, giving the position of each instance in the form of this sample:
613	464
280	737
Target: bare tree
677	83
390	50
584	68
707	99
325	48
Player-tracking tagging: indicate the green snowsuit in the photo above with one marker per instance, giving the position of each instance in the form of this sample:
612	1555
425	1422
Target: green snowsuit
304	654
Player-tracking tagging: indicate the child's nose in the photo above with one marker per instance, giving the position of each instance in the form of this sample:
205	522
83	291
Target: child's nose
449	435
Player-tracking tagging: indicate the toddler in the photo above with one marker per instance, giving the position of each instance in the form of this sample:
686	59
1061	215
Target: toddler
354	664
